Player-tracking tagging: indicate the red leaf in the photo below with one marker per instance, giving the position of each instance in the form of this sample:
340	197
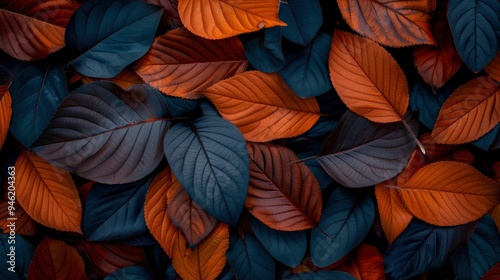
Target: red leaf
5	112
367	264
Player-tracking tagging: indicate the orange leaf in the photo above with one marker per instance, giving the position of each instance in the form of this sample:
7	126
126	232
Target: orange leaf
25	225
493	273
47	193
218	19
367	78
493	68
283	193
449	194
470	112
367	264
5	112
124	79
180	63
390	23
53	259
188	216
262	106
33	29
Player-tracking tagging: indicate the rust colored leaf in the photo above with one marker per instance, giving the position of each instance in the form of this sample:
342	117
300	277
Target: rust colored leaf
449	194
470	112
493	273
367	78
33	29
283	193
25	225
390	23
54	259
5	112
125	79
218	19
170	18
180	63
262	106
367	264
47	193
188	216
493	68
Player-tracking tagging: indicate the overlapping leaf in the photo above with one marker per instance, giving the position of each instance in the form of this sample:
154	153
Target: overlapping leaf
219	19
23	254
367	263
283	193
493	68
170	18
180	63
130	272
5	112
124	79
263	49
493	273
112	136
367	78
262	106
303	19
47	193
25	225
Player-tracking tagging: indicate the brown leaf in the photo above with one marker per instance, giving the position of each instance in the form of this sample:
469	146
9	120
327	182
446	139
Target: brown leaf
5	112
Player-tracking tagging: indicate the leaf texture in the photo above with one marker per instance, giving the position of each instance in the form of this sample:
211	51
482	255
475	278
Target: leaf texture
5	112
170	17
469	113
493	68
124	79
25	225
449	193
390	23
219	19
262	106
283	193
23	255
130	272
367	78
47	193
303	19
180	63
367	263
103	133
263	49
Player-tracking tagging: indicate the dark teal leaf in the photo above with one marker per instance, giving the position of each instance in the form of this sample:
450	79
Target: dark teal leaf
209	109
475	26
106	134
115	211
303	19
23	251
287	247
210	159
37	90
157	261
180	106
480	253
423	247
263	49
227	273
331	105
7	66
144	239
108	35
362	153
131	272
306	70
249	259
321	275
345	221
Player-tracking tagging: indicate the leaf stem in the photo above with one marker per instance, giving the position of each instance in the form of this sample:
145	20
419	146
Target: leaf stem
414	136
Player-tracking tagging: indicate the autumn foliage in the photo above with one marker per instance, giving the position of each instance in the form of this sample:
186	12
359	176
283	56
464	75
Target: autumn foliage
256	139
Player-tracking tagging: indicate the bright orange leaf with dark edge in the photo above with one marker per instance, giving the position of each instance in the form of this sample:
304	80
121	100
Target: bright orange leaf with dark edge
25	225
5	112
366	264
493	68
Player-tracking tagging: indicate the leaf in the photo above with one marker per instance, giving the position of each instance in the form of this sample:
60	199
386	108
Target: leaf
37	90
449	193
345	221
249	259
263	49
283	193
54	259
188	216
306	71
5	113
106	36
170	18
423	247
180	63
361	153
288	248
469	112
493	273
322	275
131	272
23	254
493	68
32	29
219	19
390	23
303	19
495	214
360	71
124	79
47	193
367	264
25	225
103	133
262	106
209	158
428	103
480	252
475	27
115	211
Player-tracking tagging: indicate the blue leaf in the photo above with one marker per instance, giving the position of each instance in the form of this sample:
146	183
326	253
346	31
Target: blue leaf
157	261
263	49
288	247
487	140
37	90
345	221
108	35
306	70
249	259
23	251
321	275
179	106
131	272
115	211
480	253
423	247
475	26
143	239
210	159
303	19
